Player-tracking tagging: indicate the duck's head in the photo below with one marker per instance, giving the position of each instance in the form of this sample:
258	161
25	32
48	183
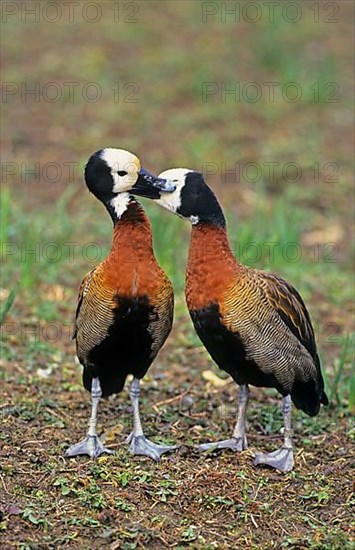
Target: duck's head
110	172
192	199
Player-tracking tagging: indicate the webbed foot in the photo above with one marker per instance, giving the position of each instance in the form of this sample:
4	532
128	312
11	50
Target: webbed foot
235	444
140	445
91	446
282	459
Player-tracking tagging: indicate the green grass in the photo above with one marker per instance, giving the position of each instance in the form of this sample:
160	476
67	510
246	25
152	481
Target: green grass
170	238
343	381
52	253
32	250
271	240
4	310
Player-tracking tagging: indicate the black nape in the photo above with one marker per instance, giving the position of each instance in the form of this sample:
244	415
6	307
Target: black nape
98	178
197	199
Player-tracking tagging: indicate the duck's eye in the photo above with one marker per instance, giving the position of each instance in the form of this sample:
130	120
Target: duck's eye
122	173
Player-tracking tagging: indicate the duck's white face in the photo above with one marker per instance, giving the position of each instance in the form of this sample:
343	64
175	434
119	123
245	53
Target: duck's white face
111	174
124	167
172	201
188	196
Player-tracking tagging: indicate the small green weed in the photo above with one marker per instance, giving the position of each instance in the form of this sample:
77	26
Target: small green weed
123	505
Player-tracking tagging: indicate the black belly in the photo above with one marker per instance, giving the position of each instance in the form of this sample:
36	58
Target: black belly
227	349
126	349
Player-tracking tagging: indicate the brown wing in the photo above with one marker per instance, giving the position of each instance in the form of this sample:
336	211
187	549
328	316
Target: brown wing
269	318
160	325
95	311
84	286
288	303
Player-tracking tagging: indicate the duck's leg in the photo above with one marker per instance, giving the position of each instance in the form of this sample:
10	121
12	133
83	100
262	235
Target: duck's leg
238	442
91	445
139	444
282	459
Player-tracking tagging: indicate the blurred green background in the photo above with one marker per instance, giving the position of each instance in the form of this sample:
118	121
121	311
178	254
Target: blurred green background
152	77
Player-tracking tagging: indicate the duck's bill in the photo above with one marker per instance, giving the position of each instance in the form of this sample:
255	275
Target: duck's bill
149	185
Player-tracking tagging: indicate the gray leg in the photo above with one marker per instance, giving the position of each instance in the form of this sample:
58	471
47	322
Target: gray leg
91	445
238	442
282	459
139	445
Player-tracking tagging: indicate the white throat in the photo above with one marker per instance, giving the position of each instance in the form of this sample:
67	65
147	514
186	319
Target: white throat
172	201
120	204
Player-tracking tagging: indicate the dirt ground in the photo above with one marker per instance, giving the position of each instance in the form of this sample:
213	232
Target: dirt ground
209	501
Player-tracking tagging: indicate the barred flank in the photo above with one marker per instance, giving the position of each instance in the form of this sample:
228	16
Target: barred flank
262	331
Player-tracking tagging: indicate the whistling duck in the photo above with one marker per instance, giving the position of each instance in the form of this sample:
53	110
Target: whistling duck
254	324
125	304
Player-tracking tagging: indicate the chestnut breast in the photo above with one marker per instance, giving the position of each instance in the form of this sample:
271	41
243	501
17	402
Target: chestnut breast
212	268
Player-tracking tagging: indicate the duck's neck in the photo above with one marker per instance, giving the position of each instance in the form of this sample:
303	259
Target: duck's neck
132	233
209	240
209	244
207	210
212	268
